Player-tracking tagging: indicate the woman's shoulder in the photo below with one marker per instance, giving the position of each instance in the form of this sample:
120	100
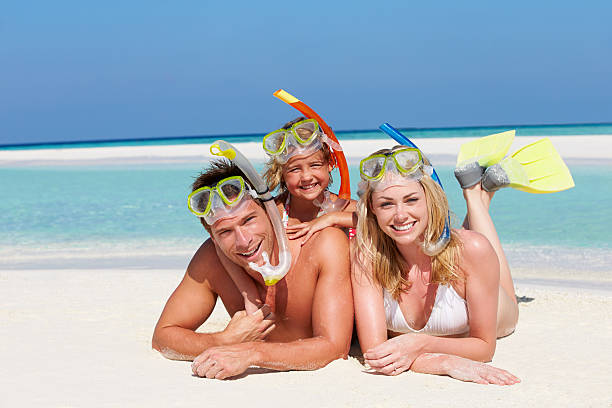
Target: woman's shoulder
475	248
473	243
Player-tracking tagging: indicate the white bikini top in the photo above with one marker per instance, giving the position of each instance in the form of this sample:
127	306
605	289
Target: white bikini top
448	316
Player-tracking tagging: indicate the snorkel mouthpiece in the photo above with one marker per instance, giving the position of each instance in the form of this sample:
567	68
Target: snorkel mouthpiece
437	247
270	273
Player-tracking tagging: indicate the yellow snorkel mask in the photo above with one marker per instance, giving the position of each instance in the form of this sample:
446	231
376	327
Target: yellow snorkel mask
214	203
407	162
302	138
230	192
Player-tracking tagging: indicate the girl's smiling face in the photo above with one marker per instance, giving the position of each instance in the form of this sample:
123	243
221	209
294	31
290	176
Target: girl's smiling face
401	211
307	177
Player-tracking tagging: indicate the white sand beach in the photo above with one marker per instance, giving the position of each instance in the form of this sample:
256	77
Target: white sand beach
569	147
82	338
80	335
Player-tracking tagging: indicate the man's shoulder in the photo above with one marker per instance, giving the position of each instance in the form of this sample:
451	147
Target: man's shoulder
327	244
205	262
330	237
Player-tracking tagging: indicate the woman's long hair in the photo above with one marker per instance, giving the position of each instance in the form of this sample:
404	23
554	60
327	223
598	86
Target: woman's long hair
377	252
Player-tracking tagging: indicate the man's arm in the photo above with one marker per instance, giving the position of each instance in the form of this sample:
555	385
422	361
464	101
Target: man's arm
191	304
332	320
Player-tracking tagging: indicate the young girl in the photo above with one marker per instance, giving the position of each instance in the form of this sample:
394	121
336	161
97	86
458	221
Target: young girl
301	159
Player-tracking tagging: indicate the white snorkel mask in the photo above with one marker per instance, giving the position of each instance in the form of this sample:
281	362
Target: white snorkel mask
402	163
338	160
220	201
228	192
393	168
301	139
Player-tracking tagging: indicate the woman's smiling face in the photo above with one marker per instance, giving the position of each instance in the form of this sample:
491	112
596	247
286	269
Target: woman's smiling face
401	211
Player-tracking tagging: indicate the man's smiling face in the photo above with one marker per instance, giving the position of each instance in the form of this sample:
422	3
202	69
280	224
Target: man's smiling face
244	235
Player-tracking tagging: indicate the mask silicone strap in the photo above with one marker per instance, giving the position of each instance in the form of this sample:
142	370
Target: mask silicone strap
403	140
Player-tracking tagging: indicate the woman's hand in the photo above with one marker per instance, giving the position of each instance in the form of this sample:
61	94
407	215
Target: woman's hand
305	230
474	371
395	355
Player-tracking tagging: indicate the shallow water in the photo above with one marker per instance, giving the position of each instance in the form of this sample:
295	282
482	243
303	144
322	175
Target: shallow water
69	214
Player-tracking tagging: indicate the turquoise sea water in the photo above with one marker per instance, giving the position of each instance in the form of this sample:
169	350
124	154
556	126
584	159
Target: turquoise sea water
65	213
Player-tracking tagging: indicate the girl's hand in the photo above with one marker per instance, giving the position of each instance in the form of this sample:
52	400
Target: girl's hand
474	371
305	230
395	355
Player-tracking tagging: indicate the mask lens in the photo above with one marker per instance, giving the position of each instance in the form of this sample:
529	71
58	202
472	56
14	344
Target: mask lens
407	160
231	190
372	167
199	201
305	131
274	142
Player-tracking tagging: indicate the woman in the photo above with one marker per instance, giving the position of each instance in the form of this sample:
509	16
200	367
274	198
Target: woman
437	313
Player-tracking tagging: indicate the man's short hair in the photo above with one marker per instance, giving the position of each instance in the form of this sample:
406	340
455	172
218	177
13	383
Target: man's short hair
215	172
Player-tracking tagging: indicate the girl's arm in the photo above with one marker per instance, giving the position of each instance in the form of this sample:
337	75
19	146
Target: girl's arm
347	218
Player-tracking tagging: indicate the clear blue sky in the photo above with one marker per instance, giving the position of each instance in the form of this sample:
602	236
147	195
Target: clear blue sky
77	70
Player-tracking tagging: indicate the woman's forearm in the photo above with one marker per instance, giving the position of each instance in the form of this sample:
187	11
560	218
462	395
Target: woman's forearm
473	348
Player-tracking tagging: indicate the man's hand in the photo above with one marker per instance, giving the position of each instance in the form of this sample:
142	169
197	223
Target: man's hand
223	362
395	355
244	328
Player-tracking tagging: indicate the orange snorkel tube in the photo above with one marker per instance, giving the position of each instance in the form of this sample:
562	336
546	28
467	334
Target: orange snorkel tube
338	156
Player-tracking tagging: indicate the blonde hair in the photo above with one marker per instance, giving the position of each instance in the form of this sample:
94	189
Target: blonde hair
273	170
376	251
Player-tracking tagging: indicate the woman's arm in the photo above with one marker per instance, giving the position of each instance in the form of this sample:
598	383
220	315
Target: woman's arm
480	267
462	369
369	307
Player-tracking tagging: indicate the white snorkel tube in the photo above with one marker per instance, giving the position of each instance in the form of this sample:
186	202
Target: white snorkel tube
271	274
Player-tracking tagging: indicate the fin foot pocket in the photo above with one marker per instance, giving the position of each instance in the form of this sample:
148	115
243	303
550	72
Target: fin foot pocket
469	174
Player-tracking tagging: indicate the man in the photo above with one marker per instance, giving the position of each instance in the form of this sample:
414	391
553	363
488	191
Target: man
307	318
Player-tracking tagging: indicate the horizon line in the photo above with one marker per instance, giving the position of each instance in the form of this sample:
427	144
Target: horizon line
237	135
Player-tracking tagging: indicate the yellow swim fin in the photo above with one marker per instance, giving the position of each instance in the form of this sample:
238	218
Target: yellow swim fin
487	150
475	156
536	168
